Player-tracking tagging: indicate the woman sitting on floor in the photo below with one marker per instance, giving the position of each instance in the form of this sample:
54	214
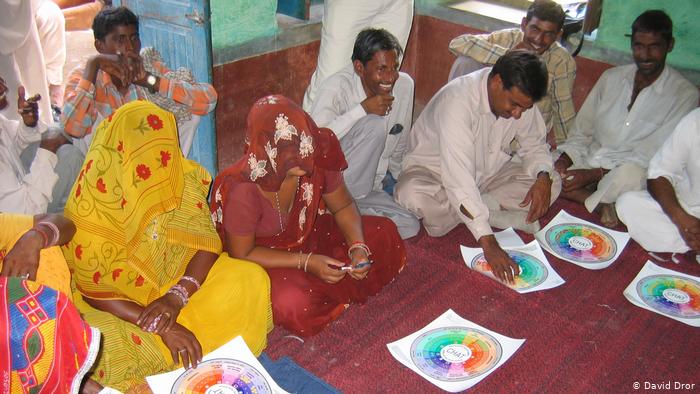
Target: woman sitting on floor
145	257
285	206
51	347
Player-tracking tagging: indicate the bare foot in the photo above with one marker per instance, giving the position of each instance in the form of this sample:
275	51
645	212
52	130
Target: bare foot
608	215
90	387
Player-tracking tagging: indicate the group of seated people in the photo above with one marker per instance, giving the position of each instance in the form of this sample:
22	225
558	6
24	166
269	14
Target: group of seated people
169	265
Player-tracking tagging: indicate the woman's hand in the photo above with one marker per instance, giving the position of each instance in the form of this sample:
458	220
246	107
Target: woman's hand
23	259
359	256
183	345
160	315
323	267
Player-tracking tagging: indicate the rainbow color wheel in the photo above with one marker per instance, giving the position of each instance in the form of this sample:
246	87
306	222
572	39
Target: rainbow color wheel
581	243
671	295
454	354
532	271
221	376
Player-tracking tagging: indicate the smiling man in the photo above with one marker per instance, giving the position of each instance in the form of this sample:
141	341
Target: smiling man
369	106
458	167
540	32
630	112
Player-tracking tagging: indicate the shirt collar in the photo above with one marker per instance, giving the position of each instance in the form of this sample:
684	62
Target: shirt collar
484	106
359	89
658	85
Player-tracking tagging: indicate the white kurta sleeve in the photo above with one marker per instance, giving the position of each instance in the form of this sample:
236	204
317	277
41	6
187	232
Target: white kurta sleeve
326	110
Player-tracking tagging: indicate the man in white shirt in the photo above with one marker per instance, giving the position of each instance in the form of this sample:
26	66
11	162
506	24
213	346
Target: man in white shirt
458	167
667	217
629	113
369	106
47	182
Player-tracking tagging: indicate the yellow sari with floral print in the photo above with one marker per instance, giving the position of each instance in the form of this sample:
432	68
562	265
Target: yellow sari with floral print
141	213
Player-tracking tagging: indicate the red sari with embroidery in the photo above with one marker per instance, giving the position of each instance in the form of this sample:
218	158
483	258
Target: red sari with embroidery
281	136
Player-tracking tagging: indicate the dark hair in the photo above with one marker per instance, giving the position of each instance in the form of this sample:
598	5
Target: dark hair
109	18
654	21
371	41
523	69
546	10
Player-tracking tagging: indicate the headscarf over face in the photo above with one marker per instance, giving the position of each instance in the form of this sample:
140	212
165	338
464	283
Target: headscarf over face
281	136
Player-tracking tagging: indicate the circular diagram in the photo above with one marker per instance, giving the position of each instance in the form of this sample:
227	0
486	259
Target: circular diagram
671	295
454	354
581	243
532	271
221	376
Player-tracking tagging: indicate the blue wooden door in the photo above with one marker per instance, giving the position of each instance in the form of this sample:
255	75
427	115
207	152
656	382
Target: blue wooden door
180	30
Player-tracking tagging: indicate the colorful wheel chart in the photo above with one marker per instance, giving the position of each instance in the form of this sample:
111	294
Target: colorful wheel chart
454	354
671	295
221	376
532	271
581	243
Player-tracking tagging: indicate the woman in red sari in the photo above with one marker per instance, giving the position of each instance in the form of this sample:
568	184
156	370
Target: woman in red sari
285	206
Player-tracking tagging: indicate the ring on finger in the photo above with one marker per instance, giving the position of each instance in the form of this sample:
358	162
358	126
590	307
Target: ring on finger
182	351
24	276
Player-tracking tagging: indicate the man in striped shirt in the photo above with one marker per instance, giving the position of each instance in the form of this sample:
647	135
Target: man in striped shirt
116	76
539	32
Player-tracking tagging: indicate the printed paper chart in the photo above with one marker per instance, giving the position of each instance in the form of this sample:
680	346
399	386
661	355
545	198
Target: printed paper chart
231	368
454	353
535	271
581	242
666	292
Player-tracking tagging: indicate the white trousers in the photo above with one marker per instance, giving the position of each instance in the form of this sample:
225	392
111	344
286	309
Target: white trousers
649	225
342	20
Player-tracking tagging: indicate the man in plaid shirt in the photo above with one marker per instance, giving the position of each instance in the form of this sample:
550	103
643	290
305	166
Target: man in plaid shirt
117	76
540	32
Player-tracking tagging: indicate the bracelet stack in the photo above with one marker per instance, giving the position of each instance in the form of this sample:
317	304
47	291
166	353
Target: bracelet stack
358	245
192	280
180	292
54	230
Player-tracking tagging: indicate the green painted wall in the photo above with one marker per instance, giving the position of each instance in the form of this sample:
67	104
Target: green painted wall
618	15
234	22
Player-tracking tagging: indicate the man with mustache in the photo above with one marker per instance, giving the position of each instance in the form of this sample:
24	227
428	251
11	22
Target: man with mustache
369	106
540	31
630	112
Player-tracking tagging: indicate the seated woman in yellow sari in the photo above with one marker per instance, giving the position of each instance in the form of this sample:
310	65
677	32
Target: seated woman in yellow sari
145	257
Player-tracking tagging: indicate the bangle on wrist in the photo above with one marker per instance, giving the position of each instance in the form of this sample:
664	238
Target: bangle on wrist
54	230
43	235
306	263
358	245
180	292
299	262
192	280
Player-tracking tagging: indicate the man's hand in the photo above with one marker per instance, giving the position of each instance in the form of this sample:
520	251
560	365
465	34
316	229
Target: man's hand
378	105
52	140
117	66
578	179
28	108
23	259
689	227
538	197
502	266
139	71
183	345
562	163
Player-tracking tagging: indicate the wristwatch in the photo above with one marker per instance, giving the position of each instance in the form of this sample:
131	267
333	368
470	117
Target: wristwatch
151	81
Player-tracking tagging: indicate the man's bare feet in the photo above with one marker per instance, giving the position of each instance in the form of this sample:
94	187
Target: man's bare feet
608	215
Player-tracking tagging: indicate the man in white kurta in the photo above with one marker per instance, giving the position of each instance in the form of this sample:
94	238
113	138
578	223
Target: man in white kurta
369	107
630	112
342	21
667	217
459	167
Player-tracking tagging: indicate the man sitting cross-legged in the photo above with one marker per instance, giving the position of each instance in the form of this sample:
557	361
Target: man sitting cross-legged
369	106
629	113
667	217
458	167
